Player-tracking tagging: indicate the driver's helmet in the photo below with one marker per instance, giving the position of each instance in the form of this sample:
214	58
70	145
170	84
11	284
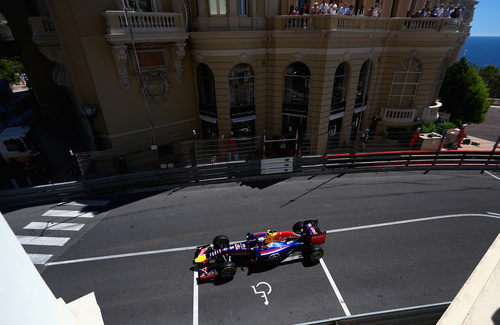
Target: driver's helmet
270	236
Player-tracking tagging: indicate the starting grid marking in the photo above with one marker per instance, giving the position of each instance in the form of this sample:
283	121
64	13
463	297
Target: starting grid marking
53	226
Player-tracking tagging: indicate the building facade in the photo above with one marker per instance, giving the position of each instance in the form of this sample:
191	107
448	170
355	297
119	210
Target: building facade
155	70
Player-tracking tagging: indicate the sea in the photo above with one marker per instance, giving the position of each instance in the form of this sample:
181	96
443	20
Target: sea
482	50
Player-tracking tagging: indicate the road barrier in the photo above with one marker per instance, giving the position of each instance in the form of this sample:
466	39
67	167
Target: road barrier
252	169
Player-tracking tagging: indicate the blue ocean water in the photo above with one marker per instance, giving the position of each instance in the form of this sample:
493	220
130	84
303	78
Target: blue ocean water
482	50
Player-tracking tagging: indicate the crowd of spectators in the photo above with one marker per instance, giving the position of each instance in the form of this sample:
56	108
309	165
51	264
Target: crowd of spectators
330	7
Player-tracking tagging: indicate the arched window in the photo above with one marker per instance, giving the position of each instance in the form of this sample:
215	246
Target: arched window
296	97
207	101
362	91
241	92
339	88
405	83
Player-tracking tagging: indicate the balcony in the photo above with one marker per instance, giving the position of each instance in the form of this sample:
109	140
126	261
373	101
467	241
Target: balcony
44	33
353	23
146	27
399	115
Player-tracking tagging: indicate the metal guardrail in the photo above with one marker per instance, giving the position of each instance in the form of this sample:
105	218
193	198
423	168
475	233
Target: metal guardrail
419	315
241	170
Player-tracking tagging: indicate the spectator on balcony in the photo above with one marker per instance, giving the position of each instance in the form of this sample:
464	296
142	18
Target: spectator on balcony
440	10
456	13
434	12
292	10
369	12
315	9
324	8
333	8
376	10
361	11
304	10
342	9
349	11
447	13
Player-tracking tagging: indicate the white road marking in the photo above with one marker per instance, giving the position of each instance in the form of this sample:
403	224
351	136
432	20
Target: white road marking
335	288
179	249
110	257
263	294
410	221
195	298
487	172
68	214
82	203
380	312
42	241
493	213
67	226
39	258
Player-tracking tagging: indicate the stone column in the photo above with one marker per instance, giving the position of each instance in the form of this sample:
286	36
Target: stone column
232	12
202	14
386	8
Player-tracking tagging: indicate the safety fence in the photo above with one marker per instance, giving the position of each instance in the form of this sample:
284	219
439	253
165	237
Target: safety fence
242	170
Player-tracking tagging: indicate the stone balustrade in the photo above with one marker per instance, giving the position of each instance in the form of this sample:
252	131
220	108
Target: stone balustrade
42	27
143	22
398	115
339	22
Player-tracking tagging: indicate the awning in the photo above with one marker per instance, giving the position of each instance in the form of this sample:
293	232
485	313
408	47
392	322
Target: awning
337	116
208	119
243	119
359	109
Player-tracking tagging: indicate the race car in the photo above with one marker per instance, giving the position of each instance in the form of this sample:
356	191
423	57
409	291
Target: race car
221	258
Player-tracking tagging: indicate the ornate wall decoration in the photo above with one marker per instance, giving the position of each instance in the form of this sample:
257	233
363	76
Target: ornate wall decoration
198	57
179	55
297	56
120	55
346	56
156	84
413	54
243	58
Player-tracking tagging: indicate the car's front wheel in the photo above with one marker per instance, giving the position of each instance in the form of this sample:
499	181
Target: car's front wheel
226	270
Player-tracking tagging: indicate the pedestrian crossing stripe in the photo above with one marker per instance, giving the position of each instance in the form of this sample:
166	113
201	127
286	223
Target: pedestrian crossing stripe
42	240
69	214
39	258
80	203
64	226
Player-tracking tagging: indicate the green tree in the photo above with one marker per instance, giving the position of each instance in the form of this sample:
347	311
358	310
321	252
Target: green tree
491	76
10	70
464	93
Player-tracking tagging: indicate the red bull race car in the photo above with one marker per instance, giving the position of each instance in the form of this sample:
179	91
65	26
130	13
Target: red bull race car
221	258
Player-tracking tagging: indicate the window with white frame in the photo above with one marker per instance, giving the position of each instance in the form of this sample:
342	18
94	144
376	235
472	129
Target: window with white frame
217	7
242	7
405	83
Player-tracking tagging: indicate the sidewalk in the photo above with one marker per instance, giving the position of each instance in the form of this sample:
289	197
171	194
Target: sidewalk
476	144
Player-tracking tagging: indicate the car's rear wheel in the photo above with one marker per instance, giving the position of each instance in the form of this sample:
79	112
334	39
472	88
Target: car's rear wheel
220	241
313	253
298	227
226	270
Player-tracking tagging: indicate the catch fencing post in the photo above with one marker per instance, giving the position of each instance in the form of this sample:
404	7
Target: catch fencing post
492	152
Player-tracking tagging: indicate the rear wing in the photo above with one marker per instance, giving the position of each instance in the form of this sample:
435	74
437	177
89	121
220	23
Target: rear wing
313	231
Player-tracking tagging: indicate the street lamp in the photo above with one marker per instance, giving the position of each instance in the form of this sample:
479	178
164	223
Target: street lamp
89	112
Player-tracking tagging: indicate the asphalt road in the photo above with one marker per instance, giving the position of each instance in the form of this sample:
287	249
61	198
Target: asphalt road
490	128
394	240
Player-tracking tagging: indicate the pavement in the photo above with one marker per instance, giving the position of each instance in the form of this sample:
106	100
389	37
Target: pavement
394	240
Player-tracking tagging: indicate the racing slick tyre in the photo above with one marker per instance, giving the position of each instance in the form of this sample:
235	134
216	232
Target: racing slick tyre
220	241
298	227
226	270
313	253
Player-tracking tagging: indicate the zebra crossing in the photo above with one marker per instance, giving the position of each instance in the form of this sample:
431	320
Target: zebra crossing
44	237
